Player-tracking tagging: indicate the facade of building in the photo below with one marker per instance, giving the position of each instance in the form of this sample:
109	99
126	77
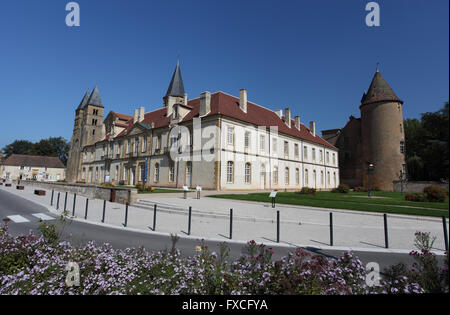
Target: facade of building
216	141
376	139
31	167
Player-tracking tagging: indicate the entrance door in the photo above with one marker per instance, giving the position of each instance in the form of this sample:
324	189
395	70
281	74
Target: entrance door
263	177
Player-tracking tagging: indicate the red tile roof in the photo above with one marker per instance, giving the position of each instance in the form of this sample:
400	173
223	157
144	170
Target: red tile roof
34	161
123	116
227	105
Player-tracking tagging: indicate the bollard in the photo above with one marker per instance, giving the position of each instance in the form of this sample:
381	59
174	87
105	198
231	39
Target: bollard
86	211
331	229
126	215
51	201
278	226
74	201
104	208
65	202
231	224
386	239
57	202
444	222
189	220
154	218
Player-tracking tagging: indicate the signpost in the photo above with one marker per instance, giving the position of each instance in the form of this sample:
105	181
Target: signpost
272	195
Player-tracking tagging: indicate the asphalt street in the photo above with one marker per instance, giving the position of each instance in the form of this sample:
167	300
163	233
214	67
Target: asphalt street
79	233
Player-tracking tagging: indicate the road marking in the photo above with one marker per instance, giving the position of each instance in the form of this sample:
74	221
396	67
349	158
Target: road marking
43	217
18	218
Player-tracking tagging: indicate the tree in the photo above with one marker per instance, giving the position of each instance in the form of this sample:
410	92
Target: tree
427	146
46	147
18	147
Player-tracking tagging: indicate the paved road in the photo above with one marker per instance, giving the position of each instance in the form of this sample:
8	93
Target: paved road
77	232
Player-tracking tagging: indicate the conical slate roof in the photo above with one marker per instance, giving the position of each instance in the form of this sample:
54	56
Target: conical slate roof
176	87
84	100
379	91
95	99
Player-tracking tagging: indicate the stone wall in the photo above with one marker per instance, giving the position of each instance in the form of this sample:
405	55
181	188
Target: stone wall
123	195
411	186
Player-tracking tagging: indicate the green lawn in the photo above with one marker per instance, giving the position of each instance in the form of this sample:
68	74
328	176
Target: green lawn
157	190
389	202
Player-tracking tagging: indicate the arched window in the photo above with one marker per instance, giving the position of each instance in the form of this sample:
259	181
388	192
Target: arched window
156	173
248	171
230	171
306	178
286	175
297	176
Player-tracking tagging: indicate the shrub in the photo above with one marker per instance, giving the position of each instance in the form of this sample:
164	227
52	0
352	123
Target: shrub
342	188
107	185
306	191
418	197
435	193
144	188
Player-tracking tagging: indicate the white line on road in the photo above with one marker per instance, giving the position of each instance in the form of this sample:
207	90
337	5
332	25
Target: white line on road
43	217
18	218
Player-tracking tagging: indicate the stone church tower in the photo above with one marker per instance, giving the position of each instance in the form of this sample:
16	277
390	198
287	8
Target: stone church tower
376	138
88	129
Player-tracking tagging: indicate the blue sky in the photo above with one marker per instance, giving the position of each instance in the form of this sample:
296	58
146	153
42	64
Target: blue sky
316	57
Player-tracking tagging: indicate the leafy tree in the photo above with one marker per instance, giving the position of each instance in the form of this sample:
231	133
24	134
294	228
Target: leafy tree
46	147
427	146
18	147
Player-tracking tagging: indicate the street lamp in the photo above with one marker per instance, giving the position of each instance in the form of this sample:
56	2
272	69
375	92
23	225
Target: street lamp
370	169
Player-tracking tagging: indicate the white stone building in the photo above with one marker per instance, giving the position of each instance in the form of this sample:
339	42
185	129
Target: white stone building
225	143
31	167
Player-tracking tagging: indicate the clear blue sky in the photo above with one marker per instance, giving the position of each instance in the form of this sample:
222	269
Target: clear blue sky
316	57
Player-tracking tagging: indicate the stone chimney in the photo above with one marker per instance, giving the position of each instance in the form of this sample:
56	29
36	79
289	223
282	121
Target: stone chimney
297	122
141	113
279	113
136	116
287	117
185	100
312	128
243	100
205	103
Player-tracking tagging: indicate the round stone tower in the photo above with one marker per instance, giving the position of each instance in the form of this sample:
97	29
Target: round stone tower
383	138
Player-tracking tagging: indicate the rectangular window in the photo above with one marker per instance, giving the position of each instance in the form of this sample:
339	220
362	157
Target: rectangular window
297	176
334	159
275	145
230	136
286	175
275	175
305	152
314	154
171	172
321	156
144	145
247	140
402	147
286	148
296	150
262	142
328	157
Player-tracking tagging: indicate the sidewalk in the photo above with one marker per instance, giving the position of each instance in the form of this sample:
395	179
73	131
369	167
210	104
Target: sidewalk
251	221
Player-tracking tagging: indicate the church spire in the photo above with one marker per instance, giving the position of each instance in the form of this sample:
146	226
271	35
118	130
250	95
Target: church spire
95	98
84	100
176	87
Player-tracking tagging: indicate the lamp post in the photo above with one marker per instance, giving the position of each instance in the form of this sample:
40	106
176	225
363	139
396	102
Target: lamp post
370	169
